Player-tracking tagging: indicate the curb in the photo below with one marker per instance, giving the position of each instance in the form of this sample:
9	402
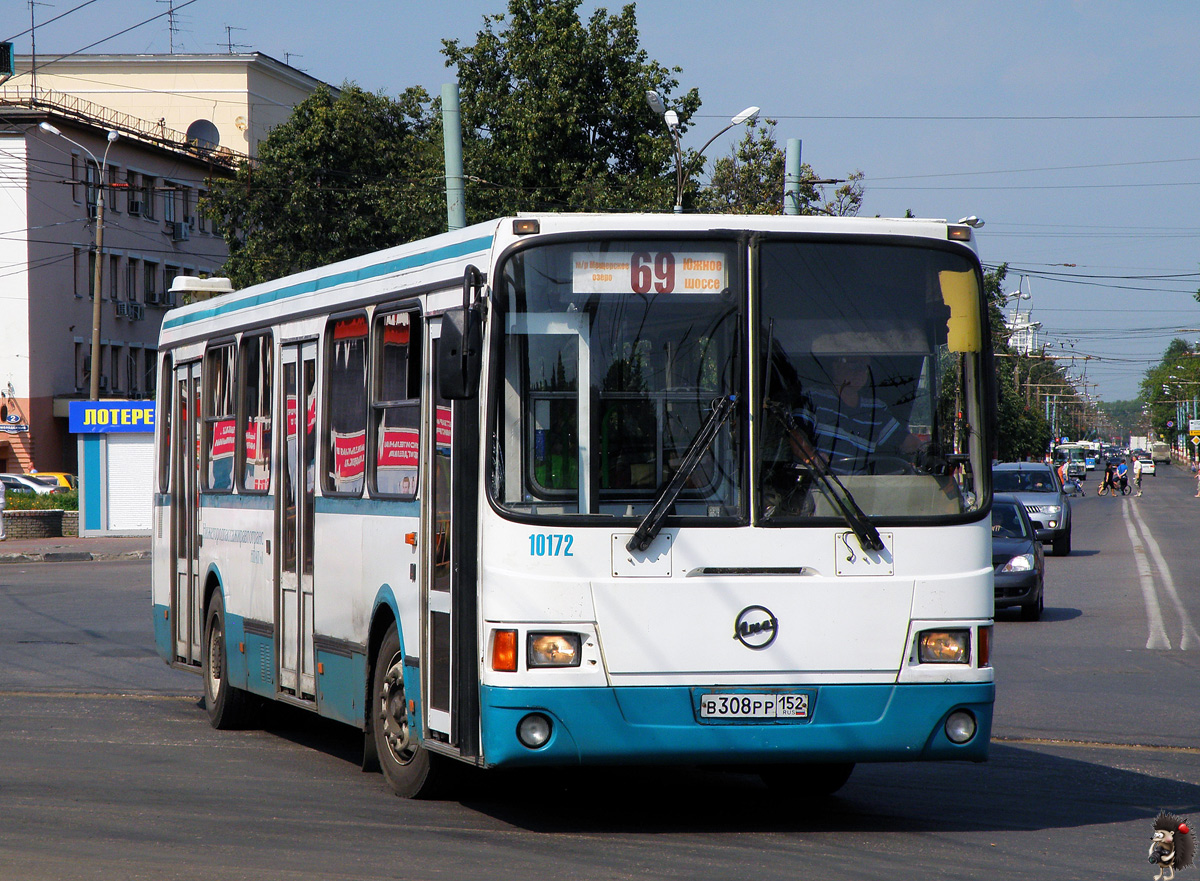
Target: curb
71	557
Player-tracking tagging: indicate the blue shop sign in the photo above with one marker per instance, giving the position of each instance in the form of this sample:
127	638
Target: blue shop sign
111	417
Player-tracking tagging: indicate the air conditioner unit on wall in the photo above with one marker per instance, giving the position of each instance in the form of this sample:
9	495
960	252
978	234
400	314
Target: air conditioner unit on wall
137	311
122	310
179	231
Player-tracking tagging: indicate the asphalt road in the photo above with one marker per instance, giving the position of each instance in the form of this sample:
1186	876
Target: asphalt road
110	770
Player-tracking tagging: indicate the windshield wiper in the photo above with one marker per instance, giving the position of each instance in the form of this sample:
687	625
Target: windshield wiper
652	523
834	490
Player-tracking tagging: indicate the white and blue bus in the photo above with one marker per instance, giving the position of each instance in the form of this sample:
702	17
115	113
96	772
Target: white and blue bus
535	493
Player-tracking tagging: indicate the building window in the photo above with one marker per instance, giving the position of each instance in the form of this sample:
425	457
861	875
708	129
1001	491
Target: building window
149	374
111	202
91	275
168	202
148	187
168	279
150	276
75	176
93	187
114	277
132	374
114	373
133	192
131	280
82	364
77	285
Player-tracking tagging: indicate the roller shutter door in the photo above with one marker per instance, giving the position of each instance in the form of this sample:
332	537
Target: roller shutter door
130	481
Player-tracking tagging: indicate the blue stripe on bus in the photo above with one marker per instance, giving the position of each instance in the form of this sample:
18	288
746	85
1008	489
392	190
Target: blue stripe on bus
248	501
364	273
849	723
378	507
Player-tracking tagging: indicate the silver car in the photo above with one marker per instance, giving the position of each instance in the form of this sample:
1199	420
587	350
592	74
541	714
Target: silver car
1038	488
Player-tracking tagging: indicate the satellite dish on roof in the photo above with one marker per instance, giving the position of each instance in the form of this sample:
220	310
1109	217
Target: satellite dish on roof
203	134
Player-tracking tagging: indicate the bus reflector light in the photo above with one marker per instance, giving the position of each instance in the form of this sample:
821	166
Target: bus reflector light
553	650
958	233
944	647
504	651
524	226
985	647
534	730
960	726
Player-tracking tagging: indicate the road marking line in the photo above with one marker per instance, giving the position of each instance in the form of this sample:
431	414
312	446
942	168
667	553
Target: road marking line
1158	634
1189	639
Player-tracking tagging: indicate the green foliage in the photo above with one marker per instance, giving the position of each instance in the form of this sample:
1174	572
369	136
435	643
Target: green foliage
750	181
555	116
343	176
68	501
1170	391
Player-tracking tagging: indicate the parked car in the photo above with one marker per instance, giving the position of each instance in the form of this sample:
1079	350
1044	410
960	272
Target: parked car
57	478
1017	558
1147	465
1039	490
25	483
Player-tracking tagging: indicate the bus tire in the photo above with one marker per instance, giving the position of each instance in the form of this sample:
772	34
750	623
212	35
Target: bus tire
227	706
407	766
806	780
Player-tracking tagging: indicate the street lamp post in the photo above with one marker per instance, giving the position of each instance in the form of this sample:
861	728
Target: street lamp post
671	118
101	171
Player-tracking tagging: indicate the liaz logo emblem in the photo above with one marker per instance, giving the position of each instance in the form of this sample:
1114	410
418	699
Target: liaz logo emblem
756	627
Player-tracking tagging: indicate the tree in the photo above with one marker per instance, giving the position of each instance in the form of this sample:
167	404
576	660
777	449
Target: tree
750	181
554	113
343	176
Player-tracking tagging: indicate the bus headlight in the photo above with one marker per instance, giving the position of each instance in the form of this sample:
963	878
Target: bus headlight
944	646
553	650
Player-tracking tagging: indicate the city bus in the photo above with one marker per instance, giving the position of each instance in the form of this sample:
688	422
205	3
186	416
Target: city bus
534	493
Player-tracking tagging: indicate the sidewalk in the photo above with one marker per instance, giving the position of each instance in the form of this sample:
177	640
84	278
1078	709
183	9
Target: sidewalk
70	549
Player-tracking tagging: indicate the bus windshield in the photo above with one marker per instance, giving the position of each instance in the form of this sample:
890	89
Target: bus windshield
612	356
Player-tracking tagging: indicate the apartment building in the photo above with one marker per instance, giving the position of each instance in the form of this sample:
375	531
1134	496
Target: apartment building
153	177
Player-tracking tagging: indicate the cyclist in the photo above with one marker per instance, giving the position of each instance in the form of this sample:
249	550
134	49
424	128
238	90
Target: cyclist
1107	484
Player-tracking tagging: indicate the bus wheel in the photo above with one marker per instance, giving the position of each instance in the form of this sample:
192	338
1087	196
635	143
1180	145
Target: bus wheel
227	706
406	765
808	780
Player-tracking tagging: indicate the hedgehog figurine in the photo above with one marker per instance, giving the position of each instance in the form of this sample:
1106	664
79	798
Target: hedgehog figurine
1173	845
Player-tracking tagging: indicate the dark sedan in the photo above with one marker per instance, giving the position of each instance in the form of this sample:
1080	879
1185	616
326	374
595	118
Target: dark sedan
1017	558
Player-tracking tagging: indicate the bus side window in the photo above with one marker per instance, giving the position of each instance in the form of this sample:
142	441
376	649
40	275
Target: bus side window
254	415
220	401
346	394
396	405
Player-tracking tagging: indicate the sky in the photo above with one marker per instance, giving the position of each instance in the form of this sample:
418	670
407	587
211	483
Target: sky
1071	128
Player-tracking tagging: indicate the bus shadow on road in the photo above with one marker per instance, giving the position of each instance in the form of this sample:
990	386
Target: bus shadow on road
1019	788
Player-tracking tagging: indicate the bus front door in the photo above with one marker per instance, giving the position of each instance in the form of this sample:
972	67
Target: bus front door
294	527
186	613
448	657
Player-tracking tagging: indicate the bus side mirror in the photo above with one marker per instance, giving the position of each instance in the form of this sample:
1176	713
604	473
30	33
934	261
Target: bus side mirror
460	348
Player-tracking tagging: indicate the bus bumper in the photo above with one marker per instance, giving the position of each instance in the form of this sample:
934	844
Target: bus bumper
847	723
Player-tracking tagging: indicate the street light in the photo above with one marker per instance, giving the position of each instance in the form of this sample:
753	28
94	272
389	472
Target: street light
101	170
671	118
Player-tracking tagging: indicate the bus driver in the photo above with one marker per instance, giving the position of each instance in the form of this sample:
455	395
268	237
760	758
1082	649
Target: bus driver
848	424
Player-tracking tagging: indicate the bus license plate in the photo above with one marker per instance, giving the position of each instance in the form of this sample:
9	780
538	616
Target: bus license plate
754	706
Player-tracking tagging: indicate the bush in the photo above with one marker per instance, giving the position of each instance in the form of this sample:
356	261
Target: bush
68	501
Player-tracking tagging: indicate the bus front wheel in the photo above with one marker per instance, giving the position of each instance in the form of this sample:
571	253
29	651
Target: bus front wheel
227	706
407	766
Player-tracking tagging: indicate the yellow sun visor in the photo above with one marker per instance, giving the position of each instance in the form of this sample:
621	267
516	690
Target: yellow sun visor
961	293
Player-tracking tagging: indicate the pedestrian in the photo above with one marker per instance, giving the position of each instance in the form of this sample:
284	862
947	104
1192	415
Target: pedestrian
1137	474
2	494
1197	492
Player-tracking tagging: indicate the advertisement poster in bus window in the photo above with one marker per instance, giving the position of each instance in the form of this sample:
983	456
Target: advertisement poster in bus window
444	433
221	453
396	460
258	448
349	459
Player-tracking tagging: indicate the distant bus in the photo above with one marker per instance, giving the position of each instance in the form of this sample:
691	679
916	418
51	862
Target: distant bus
1075	456
1160	452
527	494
